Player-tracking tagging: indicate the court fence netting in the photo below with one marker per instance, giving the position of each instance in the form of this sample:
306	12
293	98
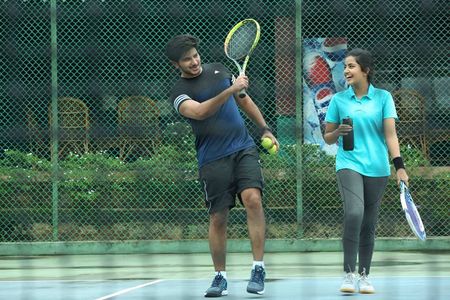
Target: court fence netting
92	150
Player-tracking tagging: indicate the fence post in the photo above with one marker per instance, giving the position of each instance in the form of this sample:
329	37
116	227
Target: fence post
54	125
299	113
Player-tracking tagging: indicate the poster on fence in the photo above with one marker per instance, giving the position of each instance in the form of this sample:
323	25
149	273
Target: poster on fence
323	76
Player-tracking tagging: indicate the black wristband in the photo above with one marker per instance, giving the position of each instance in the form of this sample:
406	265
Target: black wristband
264	129
398	163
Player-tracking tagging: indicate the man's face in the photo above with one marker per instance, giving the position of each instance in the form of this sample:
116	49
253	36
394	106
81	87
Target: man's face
190	64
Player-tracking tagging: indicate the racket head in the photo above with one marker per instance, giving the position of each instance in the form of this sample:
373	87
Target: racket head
241	41
411	213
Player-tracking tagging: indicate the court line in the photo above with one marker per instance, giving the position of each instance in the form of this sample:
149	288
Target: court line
129	290
207	279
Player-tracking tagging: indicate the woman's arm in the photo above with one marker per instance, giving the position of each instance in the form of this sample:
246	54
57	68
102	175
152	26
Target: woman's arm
333	131
390	134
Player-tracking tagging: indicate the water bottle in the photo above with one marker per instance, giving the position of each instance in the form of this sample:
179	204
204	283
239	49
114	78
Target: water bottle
348	139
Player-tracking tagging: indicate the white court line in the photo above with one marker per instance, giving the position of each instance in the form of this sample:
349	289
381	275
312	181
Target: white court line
58	280
129	290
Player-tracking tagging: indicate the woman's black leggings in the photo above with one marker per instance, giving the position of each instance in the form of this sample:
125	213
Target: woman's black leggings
361	196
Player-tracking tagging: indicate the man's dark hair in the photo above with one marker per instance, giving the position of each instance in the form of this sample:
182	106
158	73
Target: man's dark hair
179	45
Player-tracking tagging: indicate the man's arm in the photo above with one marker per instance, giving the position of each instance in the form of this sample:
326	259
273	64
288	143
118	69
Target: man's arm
253	112
200	111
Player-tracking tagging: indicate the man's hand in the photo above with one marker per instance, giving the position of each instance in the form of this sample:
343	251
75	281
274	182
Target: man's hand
241	82
268	134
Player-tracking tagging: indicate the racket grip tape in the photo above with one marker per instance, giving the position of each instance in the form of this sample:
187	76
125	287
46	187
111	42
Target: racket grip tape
242	93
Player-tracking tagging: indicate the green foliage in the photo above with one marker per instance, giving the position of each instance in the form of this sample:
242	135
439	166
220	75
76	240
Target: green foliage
285	159
92	161
316	163
14	159
312	157
173	161
413	157
20	171
179	134
86	177
99	191
169	163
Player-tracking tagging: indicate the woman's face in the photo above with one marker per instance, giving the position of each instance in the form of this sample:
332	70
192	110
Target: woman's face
353	73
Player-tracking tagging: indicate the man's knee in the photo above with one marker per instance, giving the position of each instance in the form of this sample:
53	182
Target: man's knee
251	198
219	219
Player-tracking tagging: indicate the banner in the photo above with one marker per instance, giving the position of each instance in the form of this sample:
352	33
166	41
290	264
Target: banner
323	76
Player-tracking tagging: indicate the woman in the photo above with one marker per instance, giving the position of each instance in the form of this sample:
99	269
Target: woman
362	173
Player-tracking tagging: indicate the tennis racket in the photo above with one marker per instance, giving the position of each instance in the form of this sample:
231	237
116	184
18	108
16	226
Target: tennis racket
411	213
240	43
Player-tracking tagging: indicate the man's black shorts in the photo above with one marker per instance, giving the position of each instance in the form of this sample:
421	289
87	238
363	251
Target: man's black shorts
227	177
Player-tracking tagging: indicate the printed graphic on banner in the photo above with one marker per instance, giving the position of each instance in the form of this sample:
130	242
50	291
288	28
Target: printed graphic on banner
323	76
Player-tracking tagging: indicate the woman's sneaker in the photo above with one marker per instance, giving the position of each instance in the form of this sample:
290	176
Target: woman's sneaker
218	287
349	283
365	287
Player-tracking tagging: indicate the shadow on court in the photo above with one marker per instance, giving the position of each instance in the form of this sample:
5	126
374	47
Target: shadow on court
313	275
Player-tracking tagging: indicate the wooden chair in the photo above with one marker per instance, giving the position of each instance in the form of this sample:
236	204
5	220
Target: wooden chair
73	121
138	118
411	128
37	137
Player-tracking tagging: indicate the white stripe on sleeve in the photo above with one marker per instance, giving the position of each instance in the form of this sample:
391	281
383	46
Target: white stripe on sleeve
178	100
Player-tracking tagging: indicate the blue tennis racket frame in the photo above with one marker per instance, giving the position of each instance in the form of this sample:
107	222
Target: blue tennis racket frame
411	212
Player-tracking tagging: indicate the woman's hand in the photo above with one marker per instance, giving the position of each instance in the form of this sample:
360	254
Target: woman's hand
402	176
343	129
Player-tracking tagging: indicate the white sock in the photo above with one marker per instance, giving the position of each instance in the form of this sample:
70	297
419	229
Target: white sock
258	263
223	273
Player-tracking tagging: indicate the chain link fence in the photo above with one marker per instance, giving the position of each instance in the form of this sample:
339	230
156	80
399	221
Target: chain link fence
91	149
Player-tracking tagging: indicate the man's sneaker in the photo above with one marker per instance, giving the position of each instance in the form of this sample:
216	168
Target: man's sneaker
218	287
349	284
256	283
365	287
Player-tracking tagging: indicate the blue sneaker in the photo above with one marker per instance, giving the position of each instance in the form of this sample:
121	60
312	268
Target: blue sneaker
218	287
256	283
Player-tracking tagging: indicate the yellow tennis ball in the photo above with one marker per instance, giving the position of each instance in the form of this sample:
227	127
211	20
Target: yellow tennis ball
273	150
266	143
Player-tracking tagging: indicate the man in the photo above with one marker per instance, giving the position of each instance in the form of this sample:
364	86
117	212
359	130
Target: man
228	160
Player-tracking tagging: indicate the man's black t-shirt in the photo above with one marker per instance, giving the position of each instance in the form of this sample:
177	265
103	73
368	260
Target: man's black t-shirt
224	132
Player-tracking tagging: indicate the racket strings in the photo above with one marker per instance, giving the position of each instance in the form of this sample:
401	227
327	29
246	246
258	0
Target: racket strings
241	41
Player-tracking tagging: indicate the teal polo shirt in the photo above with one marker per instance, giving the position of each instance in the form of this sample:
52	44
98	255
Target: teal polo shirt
370	155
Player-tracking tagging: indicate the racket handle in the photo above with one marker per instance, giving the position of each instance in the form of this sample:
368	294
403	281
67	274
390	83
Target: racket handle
242	93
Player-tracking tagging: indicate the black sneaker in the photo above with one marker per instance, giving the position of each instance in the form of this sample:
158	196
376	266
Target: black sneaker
256	283
218	287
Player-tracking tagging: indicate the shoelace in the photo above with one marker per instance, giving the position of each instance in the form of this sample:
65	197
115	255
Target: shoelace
349	278
364	281
217	280
258	274
363	278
